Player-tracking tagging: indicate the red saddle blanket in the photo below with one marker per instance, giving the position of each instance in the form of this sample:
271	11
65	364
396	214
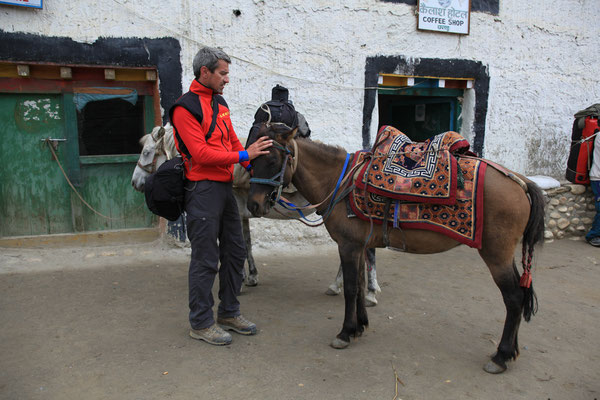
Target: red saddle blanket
421	172
461	220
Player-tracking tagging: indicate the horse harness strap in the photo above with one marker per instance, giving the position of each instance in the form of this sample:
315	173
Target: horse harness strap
344	181
149	168
384	226
277	180
158	144
502	170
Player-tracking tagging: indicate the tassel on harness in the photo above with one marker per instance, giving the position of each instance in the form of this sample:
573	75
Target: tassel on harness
526	277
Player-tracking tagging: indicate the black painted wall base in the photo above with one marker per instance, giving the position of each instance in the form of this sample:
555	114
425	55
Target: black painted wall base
162	53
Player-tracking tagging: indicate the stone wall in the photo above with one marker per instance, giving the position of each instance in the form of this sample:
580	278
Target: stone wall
570	211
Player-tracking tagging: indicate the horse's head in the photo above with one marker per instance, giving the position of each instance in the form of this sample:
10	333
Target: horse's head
271	172
153	154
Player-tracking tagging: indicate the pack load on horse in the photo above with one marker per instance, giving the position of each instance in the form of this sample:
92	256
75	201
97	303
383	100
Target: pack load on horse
427	197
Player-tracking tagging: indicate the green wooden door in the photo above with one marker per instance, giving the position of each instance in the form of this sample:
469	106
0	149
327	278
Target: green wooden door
34	196
104	181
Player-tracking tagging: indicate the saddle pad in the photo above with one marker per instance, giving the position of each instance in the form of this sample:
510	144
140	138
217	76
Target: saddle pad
462	221
419	172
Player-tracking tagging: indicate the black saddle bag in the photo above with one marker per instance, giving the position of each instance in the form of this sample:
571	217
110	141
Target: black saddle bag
164	190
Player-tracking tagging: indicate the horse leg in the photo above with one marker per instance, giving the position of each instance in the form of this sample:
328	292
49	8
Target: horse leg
354	322
252	278
361	312
372	286
506	277
336	287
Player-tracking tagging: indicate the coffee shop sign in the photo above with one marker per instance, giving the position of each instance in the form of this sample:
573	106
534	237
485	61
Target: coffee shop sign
450	16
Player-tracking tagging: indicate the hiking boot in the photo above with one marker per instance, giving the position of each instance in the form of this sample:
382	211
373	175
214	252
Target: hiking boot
213	335
238	324
595	241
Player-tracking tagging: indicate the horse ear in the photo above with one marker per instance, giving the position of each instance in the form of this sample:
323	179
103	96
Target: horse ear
161	132
287	136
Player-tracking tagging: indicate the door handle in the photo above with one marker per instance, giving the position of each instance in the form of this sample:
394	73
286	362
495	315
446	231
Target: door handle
54	142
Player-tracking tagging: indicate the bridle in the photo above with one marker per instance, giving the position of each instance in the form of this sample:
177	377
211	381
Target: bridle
277	180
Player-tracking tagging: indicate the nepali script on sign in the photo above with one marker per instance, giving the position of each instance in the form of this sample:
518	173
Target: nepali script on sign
450	16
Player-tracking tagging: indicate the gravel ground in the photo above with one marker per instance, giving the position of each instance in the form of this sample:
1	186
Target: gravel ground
111	323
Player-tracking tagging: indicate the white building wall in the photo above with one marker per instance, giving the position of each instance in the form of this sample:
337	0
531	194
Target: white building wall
542	59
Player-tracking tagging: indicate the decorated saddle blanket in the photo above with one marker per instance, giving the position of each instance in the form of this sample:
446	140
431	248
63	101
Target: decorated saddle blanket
420	172
461	219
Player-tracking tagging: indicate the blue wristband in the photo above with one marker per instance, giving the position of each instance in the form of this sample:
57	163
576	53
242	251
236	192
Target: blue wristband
244	156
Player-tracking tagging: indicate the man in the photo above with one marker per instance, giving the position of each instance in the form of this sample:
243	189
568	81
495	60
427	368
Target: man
593	236
206	139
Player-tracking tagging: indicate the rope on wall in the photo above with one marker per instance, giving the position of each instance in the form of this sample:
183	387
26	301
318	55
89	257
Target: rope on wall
271	71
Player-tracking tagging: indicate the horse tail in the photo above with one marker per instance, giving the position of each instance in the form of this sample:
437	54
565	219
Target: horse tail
532	236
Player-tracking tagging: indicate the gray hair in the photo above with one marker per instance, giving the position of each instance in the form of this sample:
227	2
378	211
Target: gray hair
208	57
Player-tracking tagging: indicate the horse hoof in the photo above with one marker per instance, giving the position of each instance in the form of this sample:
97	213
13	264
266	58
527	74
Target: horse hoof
339	343
493	368
251	281
370	300
333	290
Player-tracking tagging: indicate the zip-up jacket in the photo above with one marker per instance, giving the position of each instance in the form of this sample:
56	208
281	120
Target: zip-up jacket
212	159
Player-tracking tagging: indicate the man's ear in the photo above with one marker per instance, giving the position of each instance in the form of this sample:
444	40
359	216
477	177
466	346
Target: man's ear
204	71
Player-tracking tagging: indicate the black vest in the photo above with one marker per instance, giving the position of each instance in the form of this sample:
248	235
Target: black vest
191	102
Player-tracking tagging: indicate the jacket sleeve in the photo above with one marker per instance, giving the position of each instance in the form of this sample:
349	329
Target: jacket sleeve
237	146
193	135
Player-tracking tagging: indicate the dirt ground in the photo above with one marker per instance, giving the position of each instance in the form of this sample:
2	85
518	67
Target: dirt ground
111	323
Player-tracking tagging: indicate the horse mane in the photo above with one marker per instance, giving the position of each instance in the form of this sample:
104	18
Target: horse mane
324	148
167	145
169	142
144	139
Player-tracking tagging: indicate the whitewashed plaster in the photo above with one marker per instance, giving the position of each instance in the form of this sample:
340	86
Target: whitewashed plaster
542	58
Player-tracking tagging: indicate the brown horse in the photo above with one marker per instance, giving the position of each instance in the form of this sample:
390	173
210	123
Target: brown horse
511	212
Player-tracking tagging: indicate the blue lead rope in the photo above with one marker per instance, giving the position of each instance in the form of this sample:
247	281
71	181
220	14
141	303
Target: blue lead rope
337	186
292	207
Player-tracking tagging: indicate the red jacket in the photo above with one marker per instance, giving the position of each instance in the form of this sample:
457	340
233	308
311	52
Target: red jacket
213	159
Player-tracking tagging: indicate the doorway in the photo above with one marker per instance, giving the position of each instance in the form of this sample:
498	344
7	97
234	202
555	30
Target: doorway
420	107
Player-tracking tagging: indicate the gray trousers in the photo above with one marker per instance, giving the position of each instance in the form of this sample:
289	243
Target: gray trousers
215	232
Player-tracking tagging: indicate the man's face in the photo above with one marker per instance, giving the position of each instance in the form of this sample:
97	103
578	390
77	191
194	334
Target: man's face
215	80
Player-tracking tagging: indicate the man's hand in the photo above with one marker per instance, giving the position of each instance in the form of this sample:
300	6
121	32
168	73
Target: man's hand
259	147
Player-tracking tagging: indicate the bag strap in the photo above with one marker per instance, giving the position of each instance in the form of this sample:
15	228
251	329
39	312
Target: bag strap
213	123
